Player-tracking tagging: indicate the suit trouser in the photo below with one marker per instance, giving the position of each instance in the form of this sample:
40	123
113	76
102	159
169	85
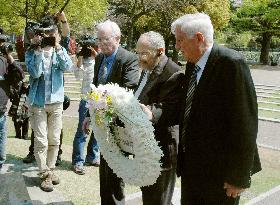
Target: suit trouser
47	124
21	128
111	186
161	192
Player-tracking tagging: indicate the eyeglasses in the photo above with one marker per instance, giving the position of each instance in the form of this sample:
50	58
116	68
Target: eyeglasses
145	53
104	40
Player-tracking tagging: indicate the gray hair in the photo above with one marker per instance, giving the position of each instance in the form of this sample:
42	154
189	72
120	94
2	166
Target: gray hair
193	23
116	31
156	40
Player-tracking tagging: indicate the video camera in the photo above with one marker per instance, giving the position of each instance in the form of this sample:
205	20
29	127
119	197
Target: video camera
6	47
47	25
86	42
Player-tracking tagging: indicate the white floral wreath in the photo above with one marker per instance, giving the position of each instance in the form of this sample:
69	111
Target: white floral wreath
106	103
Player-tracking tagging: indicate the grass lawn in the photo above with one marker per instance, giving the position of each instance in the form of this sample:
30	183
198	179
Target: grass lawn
269	114
264	105
84	190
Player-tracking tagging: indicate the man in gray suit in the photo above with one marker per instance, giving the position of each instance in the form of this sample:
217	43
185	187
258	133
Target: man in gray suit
113	65
157	93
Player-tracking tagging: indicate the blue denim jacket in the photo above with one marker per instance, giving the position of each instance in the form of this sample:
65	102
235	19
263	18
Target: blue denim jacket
35	68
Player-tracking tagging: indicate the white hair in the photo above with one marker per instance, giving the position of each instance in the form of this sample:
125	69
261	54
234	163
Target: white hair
116	31
193	23
156	40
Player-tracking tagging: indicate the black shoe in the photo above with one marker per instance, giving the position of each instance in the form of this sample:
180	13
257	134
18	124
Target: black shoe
29	158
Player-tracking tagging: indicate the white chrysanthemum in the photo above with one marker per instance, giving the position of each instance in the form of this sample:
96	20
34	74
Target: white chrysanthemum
137	137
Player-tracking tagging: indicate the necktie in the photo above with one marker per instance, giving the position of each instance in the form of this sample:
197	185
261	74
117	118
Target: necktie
103	74
142	84
188	104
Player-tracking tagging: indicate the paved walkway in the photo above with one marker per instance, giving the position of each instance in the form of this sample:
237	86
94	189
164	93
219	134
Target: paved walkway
272	197
268	75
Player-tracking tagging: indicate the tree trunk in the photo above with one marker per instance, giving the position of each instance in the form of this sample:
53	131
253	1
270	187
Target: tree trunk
167	41
130	37
175	54
264	57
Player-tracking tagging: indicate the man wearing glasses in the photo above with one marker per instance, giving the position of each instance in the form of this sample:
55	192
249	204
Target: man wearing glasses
113	65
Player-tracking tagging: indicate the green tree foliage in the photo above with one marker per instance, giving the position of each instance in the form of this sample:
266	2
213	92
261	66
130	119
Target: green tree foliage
261	17
80	13
218	10
145	15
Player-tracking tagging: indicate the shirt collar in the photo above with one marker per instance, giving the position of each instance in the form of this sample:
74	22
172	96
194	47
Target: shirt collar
111	57
203	60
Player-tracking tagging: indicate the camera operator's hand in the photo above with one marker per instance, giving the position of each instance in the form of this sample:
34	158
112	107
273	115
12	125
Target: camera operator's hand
93	51
36	40
57	47
79	48
9	57
80	62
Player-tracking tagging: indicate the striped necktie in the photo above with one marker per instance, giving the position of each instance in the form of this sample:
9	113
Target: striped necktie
188	104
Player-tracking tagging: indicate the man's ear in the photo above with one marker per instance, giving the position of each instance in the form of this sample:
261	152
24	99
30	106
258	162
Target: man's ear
200	37
160	51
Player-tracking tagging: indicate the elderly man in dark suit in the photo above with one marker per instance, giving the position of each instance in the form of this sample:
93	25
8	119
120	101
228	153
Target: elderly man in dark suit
219	121
157	94
113	65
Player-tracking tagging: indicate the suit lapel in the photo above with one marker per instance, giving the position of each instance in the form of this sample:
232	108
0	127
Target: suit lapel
97	66
153	78
115	65
202	85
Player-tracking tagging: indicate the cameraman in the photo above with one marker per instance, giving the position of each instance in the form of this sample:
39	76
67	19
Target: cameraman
46	60
64	42
84	70
10	74
31	28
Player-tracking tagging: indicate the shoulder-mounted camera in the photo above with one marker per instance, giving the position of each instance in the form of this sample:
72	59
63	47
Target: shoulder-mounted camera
46	26
86	42
5	48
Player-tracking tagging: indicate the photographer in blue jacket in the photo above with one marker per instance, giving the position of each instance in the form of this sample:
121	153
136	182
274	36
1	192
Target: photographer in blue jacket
46	60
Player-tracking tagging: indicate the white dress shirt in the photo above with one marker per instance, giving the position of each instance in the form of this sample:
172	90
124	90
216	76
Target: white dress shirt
202	62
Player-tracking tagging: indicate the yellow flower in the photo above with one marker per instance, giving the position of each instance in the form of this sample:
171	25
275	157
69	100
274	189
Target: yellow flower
109	100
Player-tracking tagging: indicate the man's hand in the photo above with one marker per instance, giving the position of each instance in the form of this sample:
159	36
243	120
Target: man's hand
85	126
147	111
61	16
232	191
93	51
80	62
9	58
36	40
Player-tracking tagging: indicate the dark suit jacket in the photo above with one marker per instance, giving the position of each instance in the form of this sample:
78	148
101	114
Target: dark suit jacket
125	70
221	135
159	94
